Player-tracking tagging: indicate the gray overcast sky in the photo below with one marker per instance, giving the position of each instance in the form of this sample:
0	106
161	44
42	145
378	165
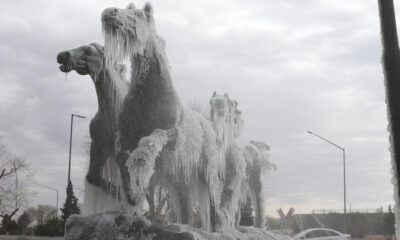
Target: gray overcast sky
292	65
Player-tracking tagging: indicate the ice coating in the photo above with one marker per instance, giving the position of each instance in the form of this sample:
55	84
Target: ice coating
111	87
254	161
223	117
141	162
117	25
191	158
245	165
145	141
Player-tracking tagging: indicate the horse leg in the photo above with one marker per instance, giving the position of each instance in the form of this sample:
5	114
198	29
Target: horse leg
257	202
184	193
121	158
231	190
175	211
211	217
99	153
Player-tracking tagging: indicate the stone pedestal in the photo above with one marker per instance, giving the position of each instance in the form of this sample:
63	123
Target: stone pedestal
119	226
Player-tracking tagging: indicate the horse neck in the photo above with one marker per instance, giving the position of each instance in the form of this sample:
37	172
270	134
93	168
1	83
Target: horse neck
225	130
110	90
152	93
152	63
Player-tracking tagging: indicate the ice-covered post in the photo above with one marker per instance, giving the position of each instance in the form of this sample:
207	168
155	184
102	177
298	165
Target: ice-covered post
391	69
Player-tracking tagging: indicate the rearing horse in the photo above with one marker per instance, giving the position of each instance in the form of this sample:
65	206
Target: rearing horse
111	88
152	103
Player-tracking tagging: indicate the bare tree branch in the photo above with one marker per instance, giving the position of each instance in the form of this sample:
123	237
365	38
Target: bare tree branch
14	165
14	176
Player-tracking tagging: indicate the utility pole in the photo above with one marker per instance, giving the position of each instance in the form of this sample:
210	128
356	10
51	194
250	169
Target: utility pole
391	69
16	189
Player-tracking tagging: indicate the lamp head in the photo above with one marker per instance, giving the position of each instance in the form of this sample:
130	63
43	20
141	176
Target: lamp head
78	116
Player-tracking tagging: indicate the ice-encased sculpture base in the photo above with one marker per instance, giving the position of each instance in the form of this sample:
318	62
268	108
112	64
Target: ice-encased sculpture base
119	226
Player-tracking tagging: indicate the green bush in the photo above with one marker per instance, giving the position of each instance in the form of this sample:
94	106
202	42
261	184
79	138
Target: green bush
23	222
52	227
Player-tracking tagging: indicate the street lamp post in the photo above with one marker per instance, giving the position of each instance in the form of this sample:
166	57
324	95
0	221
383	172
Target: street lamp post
344	176
70	143
51	188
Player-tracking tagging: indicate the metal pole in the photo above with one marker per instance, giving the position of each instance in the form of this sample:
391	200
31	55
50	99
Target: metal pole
344	176
70	143
16	189
344	191
57	205
70	146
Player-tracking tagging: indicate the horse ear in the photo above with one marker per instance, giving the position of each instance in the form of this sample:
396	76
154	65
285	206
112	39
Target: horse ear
148	8
226	95
131	6
214	94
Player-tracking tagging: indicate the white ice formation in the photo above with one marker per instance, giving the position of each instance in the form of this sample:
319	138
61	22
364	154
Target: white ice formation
199	162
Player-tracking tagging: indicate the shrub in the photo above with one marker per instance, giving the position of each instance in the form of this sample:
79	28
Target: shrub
52	227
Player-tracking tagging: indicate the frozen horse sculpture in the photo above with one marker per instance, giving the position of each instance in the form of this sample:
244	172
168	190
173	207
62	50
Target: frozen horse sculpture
257	165
111	88
189	162
227	123
156	139
244	165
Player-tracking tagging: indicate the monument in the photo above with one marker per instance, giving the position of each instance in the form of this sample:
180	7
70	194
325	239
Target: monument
147	147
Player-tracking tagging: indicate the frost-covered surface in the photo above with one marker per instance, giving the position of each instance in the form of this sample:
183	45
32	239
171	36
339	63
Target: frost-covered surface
144	133
195	167
394	180
116	225
106	226
245	165
192	166
227	127
257	164
141	162
103	182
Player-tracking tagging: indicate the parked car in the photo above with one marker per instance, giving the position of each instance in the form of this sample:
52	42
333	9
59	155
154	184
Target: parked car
321	234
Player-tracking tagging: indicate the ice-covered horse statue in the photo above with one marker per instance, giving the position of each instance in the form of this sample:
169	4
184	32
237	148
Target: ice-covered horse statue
257	165
111	88
188	160
227	123
244	165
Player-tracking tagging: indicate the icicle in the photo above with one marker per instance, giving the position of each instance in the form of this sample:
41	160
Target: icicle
97	200
141	162
66	73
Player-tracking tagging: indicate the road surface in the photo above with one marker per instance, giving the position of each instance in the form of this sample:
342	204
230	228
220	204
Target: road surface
13	237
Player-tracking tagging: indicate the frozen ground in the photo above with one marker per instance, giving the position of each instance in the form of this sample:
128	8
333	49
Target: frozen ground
118	225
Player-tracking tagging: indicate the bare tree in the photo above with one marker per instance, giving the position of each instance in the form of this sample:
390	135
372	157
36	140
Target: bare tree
9	164
42	213
14	174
